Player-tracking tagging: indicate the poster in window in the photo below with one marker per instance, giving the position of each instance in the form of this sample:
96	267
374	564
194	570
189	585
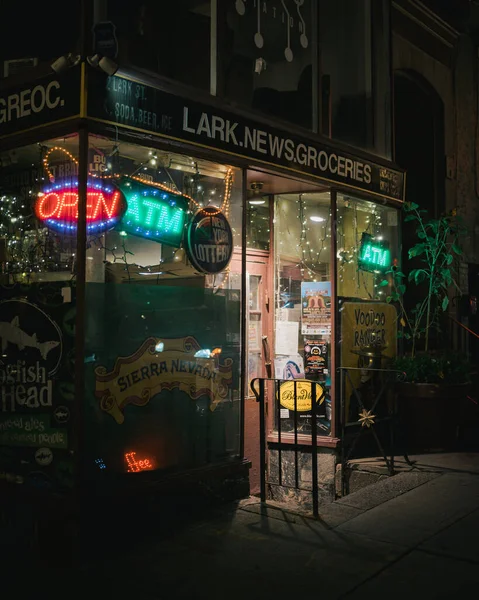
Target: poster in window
289	367
315	357
316	308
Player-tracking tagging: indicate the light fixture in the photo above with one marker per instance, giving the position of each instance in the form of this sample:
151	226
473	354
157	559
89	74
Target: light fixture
107	65
256	197
94	60
65	62
179	255
316	219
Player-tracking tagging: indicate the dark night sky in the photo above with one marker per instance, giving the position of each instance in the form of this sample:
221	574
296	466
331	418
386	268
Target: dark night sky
41	29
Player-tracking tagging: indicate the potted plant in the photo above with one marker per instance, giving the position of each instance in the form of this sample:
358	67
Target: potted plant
435	377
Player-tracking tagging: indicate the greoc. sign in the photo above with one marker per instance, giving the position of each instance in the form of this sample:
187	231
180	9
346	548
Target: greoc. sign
39	102
142	107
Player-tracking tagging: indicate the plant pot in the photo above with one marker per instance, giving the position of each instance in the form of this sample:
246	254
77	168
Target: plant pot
429	415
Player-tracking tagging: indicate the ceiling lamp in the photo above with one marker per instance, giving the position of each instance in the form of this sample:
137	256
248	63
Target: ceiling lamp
316	219
256	198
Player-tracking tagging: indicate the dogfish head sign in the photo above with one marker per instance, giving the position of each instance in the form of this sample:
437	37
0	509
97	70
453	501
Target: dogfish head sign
209	241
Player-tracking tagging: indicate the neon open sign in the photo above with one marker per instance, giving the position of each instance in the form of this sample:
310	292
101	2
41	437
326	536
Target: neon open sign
374	254
154	213
57	206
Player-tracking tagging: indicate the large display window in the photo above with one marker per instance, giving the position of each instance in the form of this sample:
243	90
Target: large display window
304	304
38	237
368	249
163	297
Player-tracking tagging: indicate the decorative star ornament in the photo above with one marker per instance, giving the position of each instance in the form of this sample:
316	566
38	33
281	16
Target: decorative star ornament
366	418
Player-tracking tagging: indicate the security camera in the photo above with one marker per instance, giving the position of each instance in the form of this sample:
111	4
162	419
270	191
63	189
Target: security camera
94	60
108	65
60	65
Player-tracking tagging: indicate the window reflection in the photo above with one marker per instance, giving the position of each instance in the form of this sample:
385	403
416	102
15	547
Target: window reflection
165	380
267	57
169	38
367	246
354	45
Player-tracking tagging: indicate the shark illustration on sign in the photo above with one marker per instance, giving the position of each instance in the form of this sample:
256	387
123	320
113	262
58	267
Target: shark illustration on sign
11	333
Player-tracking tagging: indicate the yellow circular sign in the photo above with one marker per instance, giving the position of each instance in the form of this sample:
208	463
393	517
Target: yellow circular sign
304	391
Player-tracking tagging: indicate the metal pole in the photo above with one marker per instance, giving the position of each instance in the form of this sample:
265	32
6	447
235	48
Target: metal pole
296	469
343	430
80	298
262	440
244	312
314	451
80	263
278	417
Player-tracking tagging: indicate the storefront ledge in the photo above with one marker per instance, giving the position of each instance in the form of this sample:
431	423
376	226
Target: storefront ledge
303	440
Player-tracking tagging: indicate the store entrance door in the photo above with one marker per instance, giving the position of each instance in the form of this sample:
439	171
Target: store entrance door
258	340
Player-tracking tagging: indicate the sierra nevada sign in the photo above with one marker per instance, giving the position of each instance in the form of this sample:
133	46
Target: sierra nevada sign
157	365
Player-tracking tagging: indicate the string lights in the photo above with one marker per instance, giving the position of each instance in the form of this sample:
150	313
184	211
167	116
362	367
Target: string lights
32	249
357	218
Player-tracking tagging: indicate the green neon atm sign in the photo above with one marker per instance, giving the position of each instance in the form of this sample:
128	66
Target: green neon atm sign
153	213
374	254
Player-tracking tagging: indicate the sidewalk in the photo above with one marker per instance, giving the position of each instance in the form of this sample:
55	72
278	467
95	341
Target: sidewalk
415	535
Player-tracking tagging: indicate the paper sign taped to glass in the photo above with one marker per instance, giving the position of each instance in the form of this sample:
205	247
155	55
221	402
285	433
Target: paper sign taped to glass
158	365
289	367
316	308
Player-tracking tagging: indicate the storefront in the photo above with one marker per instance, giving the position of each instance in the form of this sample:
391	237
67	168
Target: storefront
158	253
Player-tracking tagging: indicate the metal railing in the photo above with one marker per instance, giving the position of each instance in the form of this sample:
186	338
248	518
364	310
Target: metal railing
367	421
259	388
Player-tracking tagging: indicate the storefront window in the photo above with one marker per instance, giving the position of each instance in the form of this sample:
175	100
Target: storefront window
258	223
266	58
355	73
367	247
38	220
162	363
303	298
169	38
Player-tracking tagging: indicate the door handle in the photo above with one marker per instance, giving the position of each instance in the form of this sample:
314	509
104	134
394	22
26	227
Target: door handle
267	356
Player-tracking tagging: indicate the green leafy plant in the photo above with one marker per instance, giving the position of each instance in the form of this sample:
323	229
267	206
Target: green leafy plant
436	254
438	248
429	368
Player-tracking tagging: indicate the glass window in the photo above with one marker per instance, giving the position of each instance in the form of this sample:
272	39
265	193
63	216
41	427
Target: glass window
38	202
266	57
355	80
169	38
162	363
258	223
303	297
367	246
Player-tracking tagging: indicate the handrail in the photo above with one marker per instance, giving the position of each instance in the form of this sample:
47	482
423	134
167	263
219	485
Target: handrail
464	327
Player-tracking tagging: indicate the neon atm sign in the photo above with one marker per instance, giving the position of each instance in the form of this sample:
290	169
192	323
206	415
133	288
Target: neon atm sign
374	254
154	213
57	207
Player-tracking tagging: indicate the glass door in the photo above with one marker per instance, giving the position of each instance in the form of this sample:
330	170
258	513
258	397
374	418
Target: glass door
258	358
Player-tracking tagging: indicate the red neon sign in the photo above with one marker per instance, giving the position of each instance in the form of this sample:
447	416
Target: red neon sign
57	207
134	465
